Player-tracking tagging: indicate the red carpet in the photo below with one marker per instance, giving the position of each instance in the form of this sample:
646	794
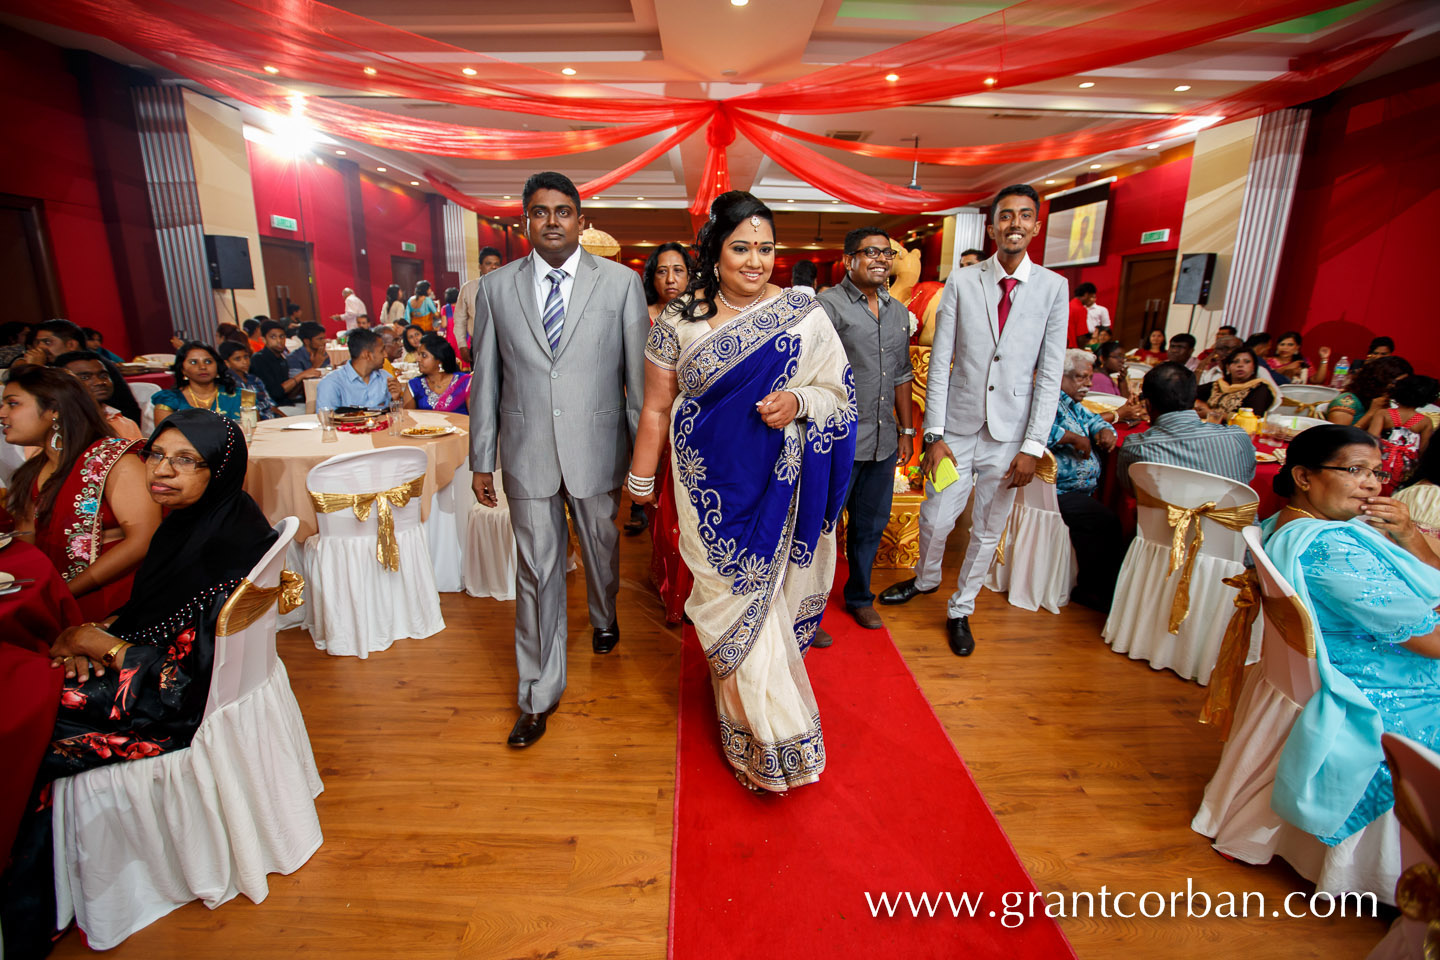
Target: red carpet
785	878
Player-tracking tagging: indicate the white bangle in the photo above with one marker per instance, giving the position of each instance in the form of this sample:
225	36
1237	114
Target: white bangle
802	409
640	486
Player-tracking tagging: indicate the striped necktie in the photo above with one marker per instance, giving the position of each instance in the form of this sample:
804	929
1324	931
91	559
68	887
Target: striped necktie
554	318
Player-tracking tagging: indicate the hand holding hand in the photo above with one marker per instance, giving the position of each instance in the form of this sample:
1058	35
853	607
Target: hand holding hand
484	486
778	409
1078	441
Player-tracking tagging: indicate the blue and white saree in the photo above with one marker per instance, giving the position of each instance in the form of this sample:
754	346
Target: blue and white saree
757	509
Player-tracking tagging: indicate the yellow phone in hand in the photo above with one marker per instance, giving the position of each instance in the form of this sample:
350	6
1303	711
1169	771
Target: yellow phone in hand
945	474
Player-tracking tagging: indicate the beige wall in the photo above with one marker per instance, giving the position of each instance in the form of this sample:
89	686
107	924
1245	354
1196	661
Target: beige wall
1212	217
227	202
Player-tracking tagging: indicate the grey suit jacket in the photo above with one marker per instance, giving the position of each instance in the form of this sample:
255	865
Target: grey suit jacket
569	415
979	376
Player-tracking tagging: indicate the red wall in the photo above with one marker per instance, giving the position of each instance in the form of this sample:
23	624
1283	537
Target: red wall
394	215
1153	199
1362	240
47	156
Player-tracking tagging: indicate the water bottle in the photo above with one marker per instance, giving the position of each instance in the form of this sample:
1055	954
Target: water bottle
1342	373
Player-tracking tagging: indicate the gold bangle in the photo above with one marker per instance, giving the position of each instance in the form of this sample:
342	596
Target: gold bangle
109	658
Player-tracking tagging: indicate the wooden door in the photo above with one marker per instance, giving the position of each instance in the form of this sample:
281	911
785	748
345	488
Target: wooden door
406	271
27	269
288	277
1146	280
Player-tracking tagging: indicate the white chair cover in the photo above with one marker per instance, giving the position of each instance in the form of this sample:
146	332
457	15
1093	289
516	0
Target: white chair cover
360	607
144	394
1040	567
312	390
1294	394
135	840
1419	769
1235	811
1139	621
12	457
489	557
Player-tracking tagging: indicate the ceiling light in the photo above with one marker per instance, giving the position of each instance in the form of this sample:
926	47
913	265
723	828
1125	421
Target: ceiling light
469	71
506	197
379	169
339	153
639	198
834	201
568	71
1182	88
989	81
789	201
1048	182
319	161
892	77
1087	84
1152	146
270	69
738	3
414	183
371	71
1094	166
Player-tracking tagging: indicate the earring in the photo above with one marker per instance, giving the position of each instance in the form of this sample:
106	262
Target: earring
55	436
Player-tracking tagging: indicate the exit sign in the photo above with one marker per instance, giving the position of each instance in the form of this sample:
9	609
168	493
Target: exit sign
283	223
1155	236
407	247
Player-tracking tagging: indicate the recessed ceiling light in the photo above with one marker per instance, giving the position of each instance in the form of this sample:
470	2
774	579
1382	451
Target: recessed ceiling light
1182	88
1048	182
989	81
568	71
320	161
414	183
469	71
892	77
834	201
270	69
339	153
1087	84
379	169
789	201
639	198
371	71
738	3
1094	166
506	197
1152	146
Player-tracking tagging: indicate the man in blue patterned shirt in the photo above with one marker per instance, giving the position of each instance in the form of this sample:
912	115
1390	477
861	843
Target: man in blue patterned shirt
1094	529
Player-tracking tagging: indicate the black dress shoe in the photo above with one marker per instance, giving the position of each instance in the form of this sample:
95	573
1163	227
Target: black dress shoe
605	638
637	523
903	592
962	641
529	728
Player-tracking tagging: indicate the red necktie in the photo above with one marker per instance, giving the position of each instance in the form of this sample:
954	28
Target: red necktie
1002	310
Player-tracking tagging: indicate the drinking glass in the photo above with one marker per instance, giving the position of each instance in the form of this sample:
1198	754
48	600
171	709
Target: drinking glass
396	409
326	416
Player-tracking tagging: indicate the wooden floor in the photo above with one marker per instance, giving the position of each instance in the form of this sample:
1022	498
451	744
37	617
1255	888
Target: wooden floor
441	842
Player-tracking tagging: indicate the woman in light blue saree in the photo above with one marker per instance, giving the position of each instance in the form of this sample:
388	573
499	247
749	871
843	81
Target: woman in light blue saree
1372	582
752	385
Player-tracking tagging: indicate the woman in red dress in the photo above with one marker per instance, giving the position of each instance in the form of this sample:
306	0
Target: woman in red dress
83	495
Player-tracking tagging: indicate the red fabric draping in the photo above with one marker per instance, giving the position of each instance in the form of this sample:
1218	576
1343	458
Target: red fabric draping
715	177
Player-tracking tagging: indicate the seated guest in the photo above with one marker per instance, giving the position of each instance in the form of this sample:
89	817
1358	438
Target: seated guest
1109	372
361	382
411	341
230	331
440	386
1404	432
52	338
1152	348
1380	347
1212	368
1372	583
137	683
1094	529
390	342
1422	494
1098	336
95	343
108	387
236	357
1222	332
13	335
1290	362
83	498
1181	351
202	381
252	333
1240	386
270	368
312	354
1371	380
1179	437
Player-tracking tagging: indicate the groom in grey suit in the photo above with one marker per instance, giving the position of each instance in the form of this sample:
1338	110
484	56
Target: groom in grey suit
559	347
990	402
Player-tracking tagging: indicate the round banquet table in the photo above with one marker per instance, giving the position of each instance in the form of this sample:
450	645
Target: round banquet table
162	379
29	621
339	356
280	459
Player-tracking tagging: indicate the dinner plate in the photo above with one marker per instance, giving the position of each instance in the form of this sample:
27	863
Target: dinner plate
302	425
7	583
428	431
5	539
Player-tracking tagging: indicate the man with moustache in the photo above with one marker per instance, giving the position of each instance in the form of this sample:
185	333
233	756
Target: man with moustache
990	401
559	346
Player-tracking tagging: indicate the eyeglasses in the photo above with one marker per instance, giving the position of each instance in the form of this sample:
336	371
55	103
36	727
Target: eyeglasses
877	253
180	464
1363	473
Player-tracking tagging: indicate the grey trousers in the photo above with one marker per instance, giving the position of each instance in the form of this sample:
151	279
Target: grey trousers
542	541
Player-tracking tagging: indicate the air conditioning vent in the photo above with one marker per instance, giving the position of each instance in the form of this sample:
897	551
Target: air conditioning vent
853	136
1014	116
587	126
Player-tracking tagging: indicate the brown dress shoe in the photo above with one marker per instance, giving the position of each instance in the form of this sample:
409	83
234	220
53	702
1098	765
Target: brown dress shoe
867	617
822	639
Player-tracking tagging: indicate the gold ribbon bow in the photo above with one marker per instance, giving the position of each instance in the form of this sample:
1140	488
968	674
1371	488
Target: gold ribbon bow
1417	892
249	602
387	551
1047	471
1229	670
1304	409
1182	557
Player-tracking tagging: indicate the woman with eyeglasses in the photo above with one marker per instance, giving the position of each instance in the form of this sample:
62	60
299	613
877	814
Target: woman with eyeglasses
136	684
202	382
1372	582
82	496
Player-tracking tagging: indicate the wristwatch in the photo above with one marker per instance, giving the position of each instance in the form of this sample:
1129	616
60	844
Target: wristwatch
932	437
907	431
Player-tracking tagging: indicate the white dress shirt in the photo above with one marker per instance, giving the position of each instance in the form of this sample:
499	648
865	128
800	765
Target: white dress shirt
542	283
355	307
1096	316
1022	273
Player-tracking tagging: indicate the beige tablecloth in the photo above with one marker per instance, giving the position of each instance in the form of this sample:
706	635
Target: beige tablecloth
339	356
280	460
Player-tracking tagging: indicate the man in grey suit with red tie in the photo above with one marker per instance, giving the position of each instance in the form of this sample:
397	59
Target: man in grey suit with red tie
559	345
995	370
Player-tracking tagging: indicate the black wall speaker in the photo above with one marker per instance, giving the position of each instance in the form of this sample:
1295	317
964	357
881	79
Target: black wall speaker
1196	272
229	259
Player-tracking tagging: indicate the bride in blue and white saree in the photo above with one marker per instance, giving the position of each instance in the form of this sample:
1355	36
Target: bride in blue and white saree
759	407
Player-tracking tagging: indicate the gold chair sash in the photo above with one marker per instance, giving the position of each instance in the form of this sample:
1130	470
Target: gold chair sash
1229	670
1304	409
249	602
1182	556
1417	892
387	551
1048	471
